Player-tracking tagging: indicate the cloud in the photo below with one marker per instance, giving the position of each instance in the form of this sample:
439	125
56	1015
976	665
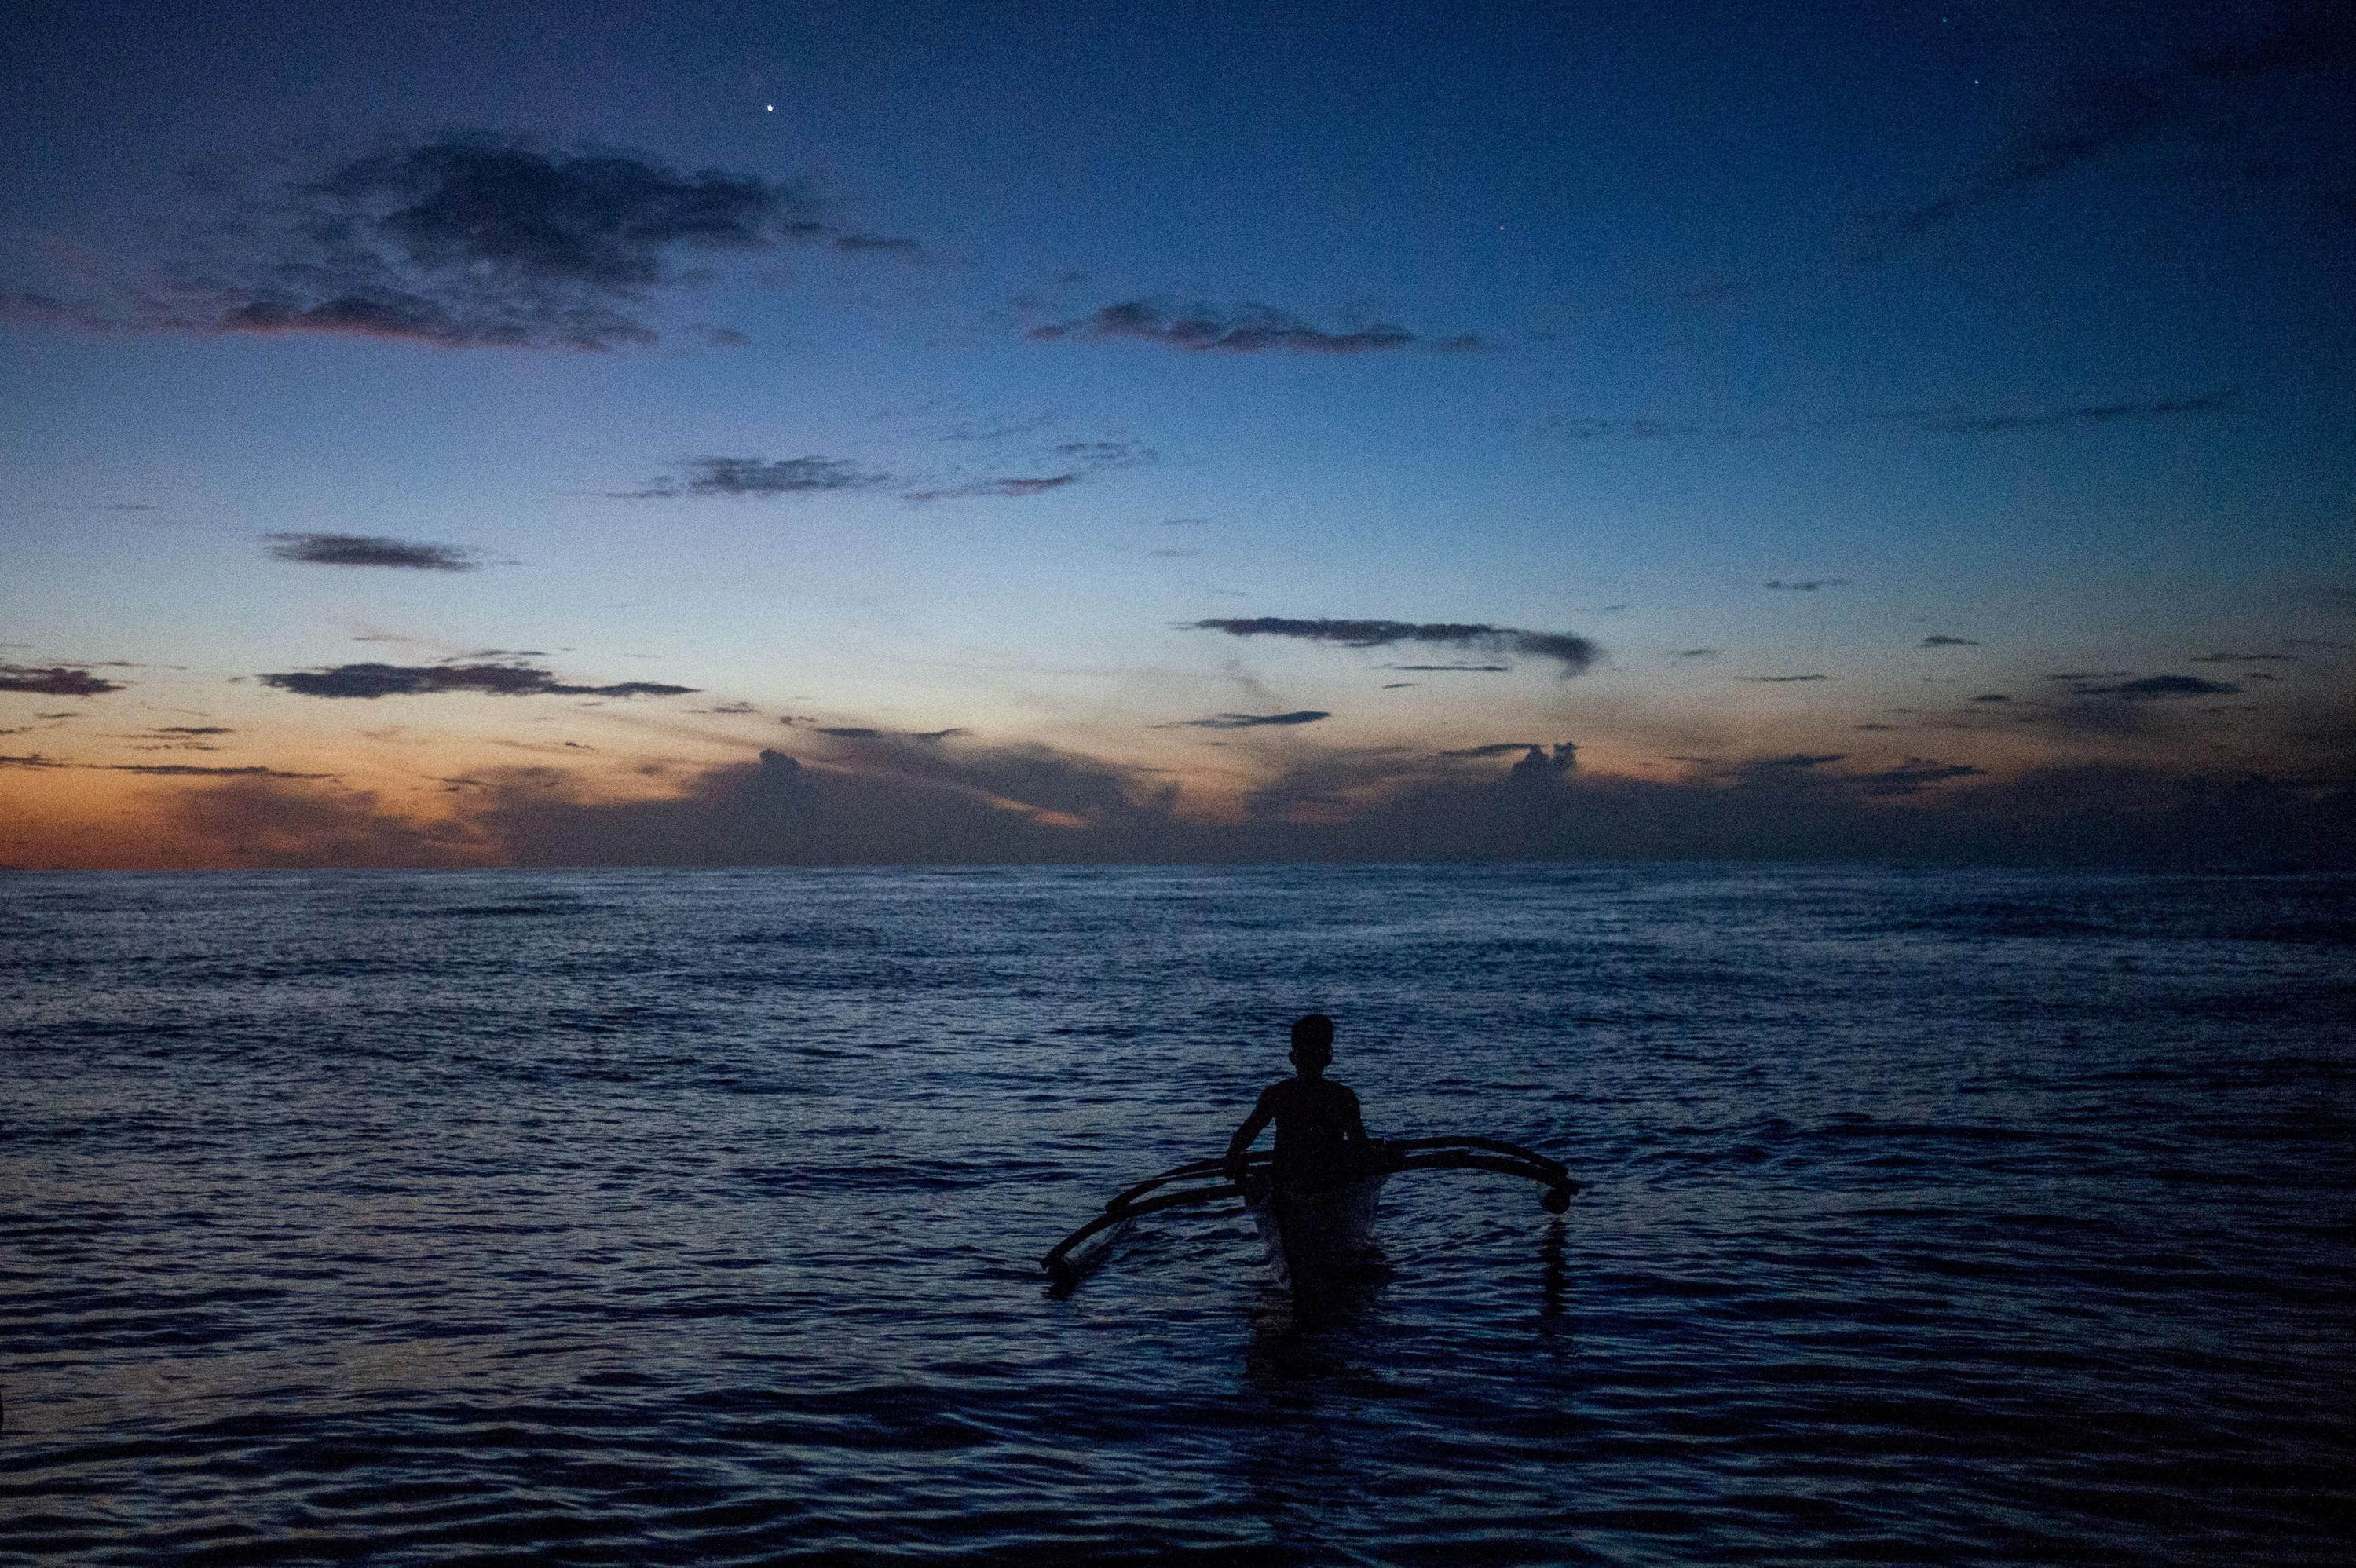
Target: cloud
2227	92
1008	488
2153	686
31	307
754	477
1806	585
194	729
896	244
1992	697
1573	654
1494	749
1947	421
1938	640
1693	653
1239	329
1541	767
863	732
55	680
1454	668
2243	658
1075	459
1111	455
186	770
279	822
2086	413
375	680
1249	721
371	550
158	770
893	800
465	241
1912	777
1780	680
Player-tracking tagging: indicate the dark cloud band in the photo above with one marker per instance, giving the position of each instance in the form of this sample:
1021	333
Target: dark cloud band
756	477
1574	654
55	680
1250	720
374	680
1239	329
371	550
464	240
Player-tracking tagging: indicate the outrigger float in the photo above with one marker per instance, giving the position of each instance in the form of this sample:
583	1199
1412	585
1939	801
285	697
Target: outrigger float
1307	1233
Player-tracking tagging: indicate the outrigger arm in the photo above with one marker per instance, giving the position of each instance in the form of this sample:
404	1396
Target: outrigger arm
1206	1182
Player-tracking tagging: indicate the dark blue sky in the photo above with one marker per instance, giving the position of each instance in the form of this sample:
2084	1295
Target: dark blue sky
1952	395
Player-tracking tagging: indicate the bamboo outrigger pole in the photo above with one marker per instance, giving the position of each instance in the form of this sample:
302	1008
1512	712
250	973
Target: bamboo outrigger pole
1205	1182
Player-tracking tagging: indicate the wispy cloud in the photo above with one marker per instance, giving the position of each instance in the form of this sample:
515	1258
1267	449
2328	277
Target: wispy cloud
158	770
2153	686
755	478
1451	668
2080	414
1921	422
2220	91
1912	777
370	681
1807	584
1235	329
1780	680
55	680
1939	640
33	307
1014	487
1249	720
466	241
1073	460
894	244
1571	653
868	732
372	549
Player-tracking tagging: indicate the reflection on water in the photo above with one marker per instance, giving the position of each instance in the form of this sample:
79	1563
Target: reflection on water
691	1218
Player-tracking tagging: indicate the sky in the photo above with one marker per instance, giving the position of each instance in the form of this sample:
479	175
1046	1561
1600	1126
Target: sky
454	435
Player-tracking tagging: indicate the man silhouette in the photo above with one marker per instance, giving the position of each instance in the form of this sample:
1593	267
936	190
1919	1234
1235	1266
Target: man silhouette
1320	1138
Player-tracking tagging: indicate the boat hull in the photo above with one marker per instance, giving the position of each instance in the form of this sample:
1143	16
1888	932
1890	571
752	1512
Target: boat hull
1309	1236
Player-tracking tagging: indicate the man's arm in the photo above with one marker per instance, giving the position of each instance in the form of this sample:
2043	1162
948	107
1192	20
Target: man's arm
1262	1112
1353	1129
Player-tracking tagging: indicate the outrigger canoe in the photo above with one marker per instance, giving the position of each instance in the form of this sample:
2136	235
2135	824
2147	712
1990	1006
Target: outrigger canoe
1306	1234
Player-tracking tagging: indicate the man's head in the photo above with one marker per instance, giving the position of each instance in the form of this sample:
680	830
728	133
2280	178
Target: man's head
1313	1043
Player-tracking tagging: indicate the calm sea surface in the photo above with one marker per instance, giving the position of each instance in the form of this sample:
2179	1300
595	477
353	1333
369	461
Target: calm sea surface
693	1218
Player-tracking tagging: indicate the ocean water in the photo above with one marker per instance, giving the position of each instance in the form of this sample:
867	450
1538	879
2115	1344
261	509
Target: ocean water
660	1217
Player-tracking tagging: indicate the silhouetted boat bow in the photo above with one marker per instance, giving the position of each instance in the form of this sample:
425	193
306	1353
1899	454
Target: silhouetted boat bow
1306	1230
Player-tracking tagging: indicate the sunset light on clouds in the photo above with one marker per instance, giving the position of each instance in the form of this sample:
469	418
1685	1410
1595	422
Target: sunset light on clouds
864	435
